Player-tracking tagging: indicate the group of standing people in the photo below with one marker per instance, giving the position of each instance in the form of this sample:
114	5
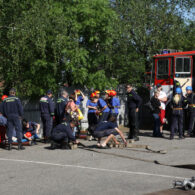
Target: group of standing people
182	107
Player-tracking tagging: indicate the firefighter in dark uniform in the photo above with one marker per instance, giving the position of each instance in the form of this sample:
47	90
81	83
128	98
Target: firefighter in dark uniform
60	107
62	134
13	111
190	96
133	103
177	104
46	105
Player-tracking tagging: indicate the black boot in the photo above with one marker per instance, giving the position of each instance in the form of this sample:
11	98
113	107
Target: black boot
20	146
9	147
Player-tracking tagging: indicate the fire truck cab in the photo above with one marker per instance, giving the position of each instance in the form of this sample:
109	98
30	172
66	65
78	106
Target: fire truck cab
170	68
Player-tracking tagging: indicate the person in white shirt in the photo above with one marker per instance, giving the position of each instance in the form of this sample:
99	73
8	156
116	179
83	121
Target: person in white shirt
163	98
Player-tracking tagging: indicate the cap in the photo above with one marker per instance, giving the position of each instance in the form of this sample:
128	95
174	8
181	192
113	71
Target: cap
188	88
158	85
178	90
49	92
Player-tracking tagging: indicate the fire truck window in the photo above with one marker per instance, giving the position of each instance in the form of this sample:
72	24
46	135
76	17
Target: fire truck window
163	69
183	65
187	65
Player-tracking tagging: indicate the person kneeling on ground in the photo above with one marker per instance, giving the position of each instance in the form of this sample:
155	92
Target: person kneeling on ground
62	134
30	130
108	129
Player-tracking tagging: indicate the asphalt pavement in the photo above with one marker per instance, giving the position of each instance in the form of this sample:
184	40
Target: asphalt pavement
40	171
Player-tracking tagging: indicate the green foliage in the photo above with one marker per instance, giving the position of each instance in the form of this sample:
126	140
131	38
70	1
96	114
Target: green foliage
97	44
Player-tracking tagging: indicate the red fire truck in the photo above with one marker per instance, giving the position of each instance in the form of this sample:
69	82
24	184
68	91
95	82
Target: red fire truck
173	67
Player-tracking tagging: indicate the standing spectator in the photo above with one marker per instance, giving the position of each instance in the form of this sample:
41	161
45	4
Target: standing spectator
60	107
133	103
92	108
13	111
47	112
177	104
103	109
163	98
79	97
190	96
155	102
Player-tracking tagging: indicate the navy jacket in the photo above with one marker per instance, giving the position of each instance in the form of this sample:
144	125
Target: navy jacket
46	106
133	100
12	107
181	104
66	129
60	107
1	107
105	125
191	100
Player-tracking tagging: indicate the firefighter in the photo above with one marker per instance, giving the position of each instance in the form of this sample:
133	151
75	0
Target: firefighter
46	106
103	109
133	103
190	96
60	107
62	134
177	104
13	111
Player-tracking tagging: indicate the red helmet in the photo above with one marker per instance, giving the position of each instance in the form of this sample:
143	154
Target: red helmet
3	97
93	95
112	93
78	92
28	134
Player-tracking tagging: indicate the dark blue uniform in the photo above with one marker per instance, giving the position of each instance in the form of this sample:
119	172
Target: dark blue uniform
191	113
13	111
31	129
133	101
63	132
47	111
105	112
177	116
104	129
60	109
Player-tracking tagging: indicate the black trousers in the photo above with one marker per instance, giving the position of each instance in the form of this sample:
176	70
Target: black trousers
92	121
47	125
177	123
191	123
133	123
59	137
104	117
14	122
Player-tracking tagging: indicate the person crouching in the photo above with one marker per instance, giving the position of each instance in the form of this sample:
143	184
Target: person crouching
63	134
107	129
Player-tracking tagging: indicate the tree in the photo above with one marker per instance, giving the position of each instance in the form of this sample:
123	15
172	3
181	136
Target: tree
45	43
144	28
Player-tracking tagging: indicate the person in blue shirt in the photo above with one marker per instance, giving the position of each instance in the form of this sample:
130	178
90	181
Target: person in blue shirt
114	104
103	109
60	107
107	129
46	106
63	134
13	111
92	108
32	128
79	97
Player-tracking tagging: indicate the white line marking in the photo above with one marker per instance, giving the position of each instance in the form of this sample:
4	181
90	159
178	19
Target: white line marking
91	168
